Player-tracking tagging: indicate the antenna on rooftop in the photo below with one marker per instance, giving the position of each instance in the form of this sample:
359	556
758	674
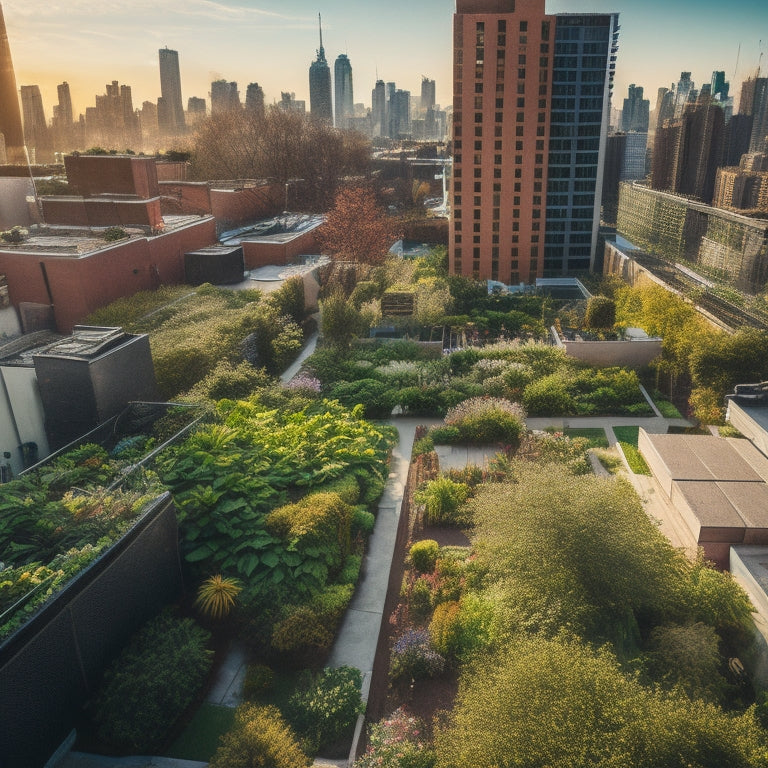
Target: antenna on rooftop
321	52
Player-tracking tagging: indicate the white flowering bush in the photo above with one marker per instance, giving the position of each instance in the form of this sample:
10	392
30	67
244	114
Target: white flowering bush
400	373
487	420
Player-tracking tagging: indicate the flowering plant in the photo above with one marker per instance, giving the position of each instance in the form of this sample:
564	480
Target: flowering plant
412	656
395	742
304	383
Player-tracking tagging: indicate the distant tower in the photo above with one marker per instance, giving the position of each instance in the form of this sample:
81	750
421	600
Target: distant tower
35	125
10	114
634	115
427	94
342	79
171	116
254	98
320	84
379	109
224	96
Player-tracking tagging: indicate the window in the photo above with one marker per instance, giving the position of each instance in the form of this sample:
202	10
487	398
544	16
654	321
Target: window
501	26
497	145
478	117
542	103
499	87
476	227
478	87
520	117
523	26
515	200
478	102
521	103
457	199
500	103
477	200
518	159
519	146
519	130
497	173
497	130
499	117
521	74
478	158
478	186
517	186
477	214
521	59
521	87
539	144
478	145
497	159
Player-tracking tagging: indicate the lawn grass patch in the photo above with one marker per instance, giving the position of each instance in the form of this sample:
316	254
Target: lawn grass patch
667	409
627	435
200	739
634	459
595	435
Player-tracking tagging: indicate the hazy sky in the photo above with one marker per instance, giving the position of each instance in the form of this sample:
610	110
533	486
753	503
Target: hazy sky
272	42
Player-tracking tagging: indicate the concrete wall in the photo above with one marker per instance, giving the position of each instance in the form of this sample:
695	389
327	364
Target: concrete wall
261	253
79	285
102	212
90	175
13	202
632	354
748	427
22	419
238	206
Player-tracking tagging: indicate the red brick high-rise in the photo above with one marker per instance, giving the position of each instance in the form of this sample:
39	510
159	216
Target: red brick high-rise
531	107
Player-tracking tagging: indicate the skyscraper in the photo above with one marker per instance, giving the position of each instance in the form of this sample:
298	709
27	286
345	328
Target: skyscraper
379	109
254	98
36	133
63	120
170	115
343	99
320	107
531	96
634	115
685	87
224	96
759	140
10	114
427	94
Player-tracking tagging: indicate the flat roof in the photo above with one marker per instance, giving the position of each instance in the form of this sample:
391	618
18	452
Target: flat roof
63	240
86	342
705	458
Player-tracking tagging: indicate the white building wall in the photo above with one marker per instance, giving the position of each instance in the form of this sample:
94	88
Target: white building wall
21	414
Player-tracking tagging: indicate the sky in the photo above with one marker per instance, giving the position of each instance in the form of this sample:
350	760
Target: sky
89	43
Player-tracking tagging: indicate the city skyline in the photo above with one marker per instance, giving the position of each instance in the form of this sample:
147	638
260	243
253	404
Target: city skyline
89	43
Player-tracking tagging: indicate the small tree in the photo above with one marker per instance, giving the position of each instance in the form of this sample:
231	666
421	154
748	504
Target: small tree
259	738
601	313
357	229
340	321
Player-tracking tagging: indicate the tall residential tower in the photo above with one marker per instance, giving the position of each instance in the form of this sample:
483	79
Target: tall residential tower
320	106
170	107
531	107
343	98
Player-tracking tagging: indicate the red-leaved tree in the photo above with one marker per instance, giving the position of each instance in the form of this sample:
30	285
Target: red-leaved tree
357	229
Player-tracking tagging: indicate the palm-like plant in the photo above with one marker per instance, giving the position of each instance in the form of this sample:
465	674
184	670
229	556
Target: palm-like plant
216	596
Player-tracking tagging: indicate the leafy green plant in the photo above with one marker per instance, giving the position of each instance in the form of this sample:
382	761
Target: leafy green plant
443	499
216	596
151	683
325	709
114	233
260	738
635	460
258	679
423	555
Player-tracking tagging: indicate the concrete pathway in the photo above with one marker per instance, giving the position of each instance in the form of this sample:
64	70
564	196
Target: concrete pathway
227	687
295	367
356	640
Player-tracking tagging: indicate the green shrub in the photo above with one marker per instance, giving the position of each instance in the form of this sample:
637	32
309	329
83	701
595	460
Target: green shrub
376	397
114	233
423	445
309	628
398	741
487	420
418	594
423	555
346	486
548	396
364	291
363	522
445	435
151	683
350	573
327	707
443	501
288	300
601	313
229	381
258	680
260	738
420	401
459	628
317	528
